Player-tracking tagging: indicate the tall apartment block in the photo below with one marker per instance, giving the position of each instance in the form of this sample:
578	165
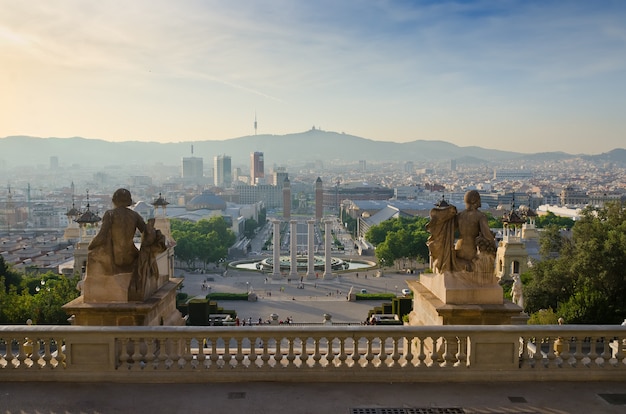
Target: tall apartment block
192	169
222	171
257	167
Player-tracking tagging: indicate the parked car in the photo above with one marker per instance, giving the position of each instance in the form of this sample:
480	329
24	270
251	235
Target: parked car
406	292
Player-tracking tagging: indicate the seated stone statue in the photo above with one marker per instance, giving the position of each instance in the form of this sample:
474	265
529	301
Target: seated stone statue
475	237
475	249
113	250
113	262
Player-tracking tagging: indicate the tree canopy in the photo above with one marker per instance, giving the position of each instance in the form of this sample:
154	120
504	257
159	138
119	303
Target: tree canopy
38	298
399	238
586	282
206	240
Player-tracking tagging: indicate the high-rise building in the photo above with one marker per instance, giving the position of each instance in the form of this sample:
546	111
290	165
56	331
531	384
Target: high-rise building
362	165
192	169
256	167
278	176
222	172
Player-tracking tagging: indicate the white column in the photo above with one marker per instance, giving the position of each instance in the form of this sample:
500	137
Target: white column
328	270
276	272
293	238
311	250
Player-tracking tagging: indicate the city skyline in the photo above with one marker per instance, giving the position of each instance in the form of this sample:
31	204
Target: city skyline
489	74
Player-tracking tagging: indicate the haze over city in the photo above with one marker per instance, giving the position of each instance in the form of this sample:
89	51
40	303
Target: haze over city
484	73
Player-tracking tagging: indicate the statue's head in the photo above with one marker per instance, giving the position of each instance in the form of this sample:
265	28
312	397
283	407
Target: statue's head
472	198
122	198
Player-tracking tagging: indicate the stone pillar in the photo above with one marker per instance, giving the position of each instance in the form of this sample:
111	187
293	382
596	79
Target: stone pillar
293	238
276	264
311	250
328	270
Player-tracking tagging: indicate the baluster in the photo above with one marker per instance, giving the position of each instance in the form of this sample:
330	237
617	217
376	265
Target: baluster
164	354
592	355
10	358
450	349
606	353
291	356
316	355
123	352
421	357
342	357
356	355
408	349
369	355
461	355
277	353
239	356
25	347
434	356
136	356
565	354
382	352
150	353
60	354
227	357
214	355
184	360
265	356
304	354
175	352
35	358
550	361
537	356
330	355
578	353
47	355
253	351
395	355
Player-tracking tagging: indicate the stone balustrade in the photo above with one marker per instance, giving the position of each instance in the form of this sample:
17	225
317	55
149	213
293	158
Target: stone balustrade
313	353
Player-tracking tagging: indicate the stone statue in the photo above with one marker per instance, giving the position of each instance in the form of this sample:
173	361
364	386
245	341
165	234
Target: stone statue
517	295
475	237
475	248
113	251
116	270
441	240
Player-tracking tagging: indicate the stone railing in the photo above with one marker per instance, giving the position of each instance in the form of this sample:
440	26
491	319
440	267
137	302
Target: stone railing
314	353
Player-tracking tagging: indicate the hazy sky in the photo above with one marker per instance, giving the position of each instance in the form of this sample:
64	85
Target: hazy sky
520	75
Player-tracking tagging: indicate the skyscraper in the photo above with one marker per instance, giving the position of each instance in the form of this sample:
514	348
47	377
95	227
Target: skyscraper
256	167
222	173
192	169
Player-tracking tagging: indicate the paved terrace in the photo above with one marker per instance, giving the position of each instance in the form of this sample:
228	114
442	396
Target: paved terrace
313	398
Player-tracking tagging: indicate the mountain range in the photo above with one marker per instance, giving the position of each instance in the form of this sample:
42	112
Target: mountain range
291	149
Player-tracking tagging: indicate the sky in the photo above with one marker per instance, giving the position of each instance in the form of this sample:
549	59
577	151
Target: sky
527	76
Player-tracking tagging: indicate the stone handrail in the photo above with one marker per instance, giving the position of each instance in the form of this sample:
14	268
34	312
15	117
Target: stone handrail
314	353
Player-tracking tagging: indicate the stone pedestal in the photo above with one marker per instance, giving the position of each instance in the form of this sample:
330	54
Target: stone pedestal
451	299
159	309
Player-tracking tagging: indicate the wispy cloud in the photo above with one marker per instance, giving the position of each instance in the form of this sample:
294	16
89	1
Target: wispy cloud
335	58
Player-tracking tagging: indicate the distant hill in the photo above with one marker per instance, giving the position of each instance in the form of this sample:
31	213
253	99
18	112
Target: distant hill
290	149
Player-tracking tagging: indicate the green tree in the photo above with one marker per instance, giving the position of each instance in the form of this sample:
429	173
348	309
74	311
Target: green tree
206	240
551	219
8	275
586	283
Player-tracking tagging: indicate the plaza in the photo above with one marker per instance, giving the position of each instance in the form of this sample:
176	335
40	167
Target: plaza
303	301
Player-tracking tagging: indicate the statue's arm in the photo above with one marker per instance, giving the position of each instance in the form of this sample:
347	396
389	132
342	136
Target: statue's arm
104	233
